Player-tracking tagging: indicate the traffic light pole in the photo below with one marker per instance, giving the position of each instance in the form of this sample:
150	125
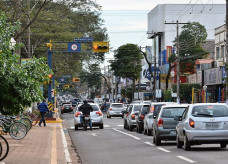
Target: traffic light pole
49	85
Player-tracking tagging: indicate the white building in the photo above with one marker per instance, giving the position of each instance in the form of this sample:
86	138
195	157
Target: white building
209	15
220	45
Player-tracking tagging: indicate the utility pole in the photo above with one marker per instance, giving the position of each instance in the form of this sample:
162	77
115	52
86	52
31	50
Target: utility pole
226	47
29	30
155	67
178	59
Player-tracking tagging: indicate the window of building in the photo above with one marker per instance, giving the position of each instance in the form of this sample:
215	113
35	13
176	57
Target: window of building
217	52
222	51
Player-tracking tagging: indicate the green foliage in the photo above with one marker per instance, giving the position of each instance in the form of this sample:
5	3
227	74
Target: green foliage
58	21
129	93
186	91
20	84
127	63
190	39
168	95
92	76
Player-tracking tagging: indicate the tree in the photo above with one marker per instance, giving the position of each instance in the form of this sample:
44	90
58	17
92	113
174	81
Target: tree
20	84
59	21
127	63
190	49
92	77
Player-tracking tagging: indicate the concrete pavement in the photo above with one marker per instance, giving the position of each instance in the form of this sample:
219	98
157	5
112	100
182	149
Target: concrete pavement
42	145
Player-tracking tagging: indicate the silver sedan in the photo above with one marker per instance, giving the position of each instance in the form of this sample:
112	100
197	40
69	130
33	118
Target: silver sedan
203	123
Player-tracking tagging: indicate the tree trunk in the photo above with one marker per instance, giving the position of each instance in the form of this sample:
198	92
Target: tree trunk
133	89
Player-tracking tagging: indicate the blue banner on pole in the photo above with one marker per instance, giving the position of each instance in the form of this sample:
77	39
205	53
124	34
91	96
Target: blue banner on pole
74	47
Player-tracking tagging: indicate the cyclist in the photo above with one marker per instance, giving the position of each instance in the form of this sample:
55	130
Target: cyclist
86	109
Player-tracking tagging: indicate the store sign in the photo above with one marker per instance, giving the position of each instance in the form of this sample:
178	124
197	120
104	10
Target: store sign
192	78
199	77
213	76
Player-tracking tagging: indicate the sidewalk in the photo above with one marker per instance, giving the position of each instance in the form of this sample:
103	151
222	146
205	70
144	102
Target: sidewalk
42	145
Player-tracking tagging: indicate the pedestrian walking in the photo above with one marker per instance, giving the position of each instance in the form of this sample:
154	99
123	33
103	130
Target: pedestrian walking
43	108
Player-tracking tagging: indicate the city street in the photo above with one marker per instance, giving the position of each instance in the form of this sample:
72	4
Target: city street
114	144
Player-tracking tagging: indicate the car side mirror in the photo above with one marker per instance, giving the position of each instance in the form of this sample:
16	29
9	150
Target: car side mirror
154	116
178	118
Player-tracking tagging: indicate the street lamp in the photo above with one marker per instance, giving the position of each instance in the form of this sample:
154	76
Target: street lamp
12	44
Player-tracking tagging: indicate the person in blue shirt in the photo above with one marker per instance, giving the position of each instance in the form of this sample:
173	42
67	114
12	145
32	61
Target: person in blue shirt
43	108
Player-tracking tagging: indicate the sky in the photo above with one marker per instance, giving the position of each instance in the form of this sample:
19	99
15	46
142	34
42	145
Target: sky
126	20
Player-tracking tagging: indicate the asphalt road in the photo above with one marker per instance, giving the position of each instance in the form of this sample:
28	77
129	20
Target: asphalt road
115	145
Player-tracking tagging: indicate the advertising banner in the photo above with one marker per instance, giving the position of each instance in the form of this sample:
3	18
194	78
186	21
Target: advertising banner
168	52
213	76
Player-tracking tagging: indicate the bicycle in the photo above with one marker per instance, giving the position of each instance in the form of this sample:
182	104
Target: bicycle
4	148
15	128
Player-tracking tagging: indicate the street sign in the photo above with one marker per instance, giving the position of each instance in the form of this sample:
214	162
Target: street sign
158	93
74	47
76	80
50	106
83	39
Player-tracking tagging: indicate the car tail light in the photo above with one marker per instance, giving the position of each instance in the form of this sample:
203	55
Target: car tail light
77	114
133	116
110	109
191	123
141	116
100	114
152	109
160	122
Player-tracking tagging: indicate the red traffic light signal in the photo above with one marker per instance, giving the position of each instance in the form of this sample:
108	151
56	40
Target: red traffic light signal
100	46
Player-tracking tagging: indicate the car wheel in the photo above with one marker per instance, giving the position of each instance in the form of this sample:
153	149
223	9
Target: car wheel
157	140
179	143
149	132
140	129
75	127
101	126
187	145
222	145
145	132
130	128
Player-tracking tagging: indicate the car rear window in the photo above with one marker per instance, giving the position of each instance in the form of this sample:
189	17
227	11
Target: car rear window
210	111
137	107
156	109
172	112
95	108
145	109
117	105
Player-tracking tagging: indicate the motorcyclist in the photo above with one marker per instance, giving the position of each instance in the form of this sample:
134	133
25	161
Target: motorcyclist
86	109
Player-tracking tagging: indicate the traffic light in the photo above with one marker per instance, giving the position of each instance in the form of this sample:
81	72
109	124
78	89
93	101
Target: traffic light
76	80
100	46
50	76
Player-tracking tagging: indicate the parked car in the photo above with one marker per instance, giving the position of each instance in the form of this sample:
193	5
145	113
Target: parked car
203	123
149	119
164	127
139	119
66	108
133	110
96	116
115	110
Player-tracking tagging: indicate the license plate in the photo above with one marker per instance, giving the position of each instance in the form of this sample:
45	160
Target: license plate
173	133
212	125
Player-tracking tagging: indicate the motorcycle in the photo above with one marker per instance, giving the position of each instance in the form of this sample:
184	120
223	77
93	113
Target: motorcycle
86	121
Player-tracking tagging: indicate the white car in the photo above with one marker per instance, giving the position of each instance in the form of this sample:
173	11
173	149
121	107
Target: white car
96	116
203	123
115	110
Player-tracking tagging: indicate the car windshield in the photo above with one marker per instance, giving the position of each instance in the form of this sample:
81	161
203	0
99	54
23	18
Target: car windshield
210	111
117	105
137	107
172	112
145	108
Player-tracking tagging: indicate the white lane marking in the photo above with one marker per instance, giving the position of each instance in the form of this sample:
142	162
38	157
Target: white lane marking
126	134
162	149
67	154
148	143
106	126
120	125
94	134
186	159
